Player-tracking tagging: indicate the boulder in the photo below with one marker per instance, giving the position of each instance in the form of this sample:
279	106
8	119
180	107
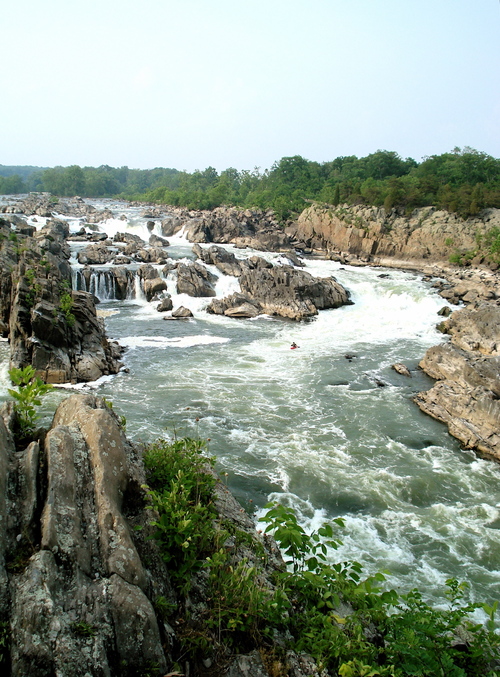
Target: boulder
165	304
401	369
181	313
153	287
292	293
95	255
225	261
195	280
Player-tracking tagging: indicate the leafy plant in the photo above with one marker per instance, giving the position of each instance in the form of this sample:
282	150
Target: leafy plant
31	389
180	490
83	629
66	307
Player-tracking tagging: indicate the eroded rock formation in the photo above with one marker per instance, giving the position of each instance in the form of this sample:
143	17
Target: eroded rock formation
368	233
79	578
48	325
466	395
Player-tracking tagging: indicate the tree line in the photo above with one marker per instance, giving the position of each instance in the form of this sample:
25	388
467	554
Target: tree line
463	181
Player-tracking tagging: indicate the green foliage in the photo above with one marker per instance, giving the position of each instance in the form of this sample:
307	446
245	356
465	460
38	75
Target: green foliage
181	493
462	181
83	629
414	639
239	602
66	307
31	389
347	622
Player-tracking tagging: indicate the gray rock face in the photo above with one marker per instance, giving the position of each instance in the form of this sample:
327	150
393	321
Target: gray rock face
78	604
225	261
50	327
280	290
195	280
249	228
467	394
96	254
372	234
285	291
75	588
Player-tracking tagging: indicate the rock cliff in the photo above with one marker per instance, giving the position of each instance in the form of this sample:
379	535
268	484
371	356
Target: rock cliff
466	395
83	588
48	325
368	233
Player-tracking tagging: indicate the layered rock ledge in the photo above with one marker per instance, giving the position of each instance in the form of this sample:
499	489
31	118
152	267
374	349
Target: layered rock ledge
466	395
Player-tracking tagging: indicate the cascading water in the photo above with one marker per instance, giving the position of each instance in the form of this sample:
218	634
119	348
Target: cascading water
329	429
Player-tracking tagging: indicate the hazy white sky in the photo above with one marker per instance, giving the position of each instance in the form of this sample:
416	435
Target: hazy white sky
242	83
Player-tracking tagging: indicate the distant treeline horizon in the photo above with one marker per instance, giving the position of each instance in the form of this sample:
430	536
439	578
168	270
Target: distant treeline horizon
463	181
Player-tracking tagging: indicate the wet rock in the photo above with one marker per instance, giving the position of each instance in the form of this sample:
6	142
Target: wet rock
195	280
95	255
401	369
285	291
165	304
225	261
181	313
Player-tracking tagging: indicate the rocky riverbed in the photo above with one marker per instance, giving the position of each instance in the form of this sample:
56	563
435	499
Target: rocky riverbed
35	268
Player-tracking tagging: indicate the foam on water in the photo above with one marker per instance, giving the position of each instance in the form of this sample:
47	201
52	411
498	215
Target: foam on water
327	435
163	342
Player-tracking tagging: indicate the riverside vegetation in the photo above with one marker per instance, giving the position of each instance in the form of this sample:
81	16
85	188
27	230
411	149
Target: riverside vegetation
463	181
345	621
225	604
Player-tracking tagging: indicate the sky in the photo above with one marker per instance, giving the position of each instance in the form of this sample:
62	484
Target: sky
242	83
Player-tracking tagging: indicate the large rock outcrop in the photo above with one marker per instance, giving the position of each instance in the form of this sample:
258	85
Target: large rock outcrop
466	395
283	291
80	579
251	228
371	234
48	325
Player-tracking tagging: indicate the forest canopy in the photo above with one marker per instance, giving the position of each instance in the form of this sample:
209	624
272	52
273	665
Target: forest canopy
463	181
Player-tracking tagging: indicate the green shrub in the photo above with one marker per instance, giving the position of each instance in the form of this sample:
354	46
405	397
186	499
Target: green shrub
31	389
180	490
66	307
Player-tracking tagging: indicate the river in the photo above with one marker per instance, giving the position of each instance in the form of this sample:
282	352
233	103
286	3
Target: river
329	428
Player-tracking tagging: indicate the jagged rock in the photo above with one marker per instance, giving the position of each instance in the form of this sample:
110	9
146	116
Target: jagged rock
195	280
235	305
370	232
401	369
222	225
181	312
165	304
80	606
225	261
129	238
157	241
467	394
95	255
292	293
56	331
153	287
255	262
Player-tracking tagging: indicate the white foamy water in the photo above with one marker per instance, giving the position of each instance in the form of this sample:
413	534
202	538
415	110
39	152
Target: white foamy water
327	434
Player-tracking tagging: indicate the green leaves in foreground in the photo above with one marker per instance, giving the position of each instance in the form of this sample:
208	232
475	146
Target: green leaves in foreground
354	629
327	609
180	490
31	389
